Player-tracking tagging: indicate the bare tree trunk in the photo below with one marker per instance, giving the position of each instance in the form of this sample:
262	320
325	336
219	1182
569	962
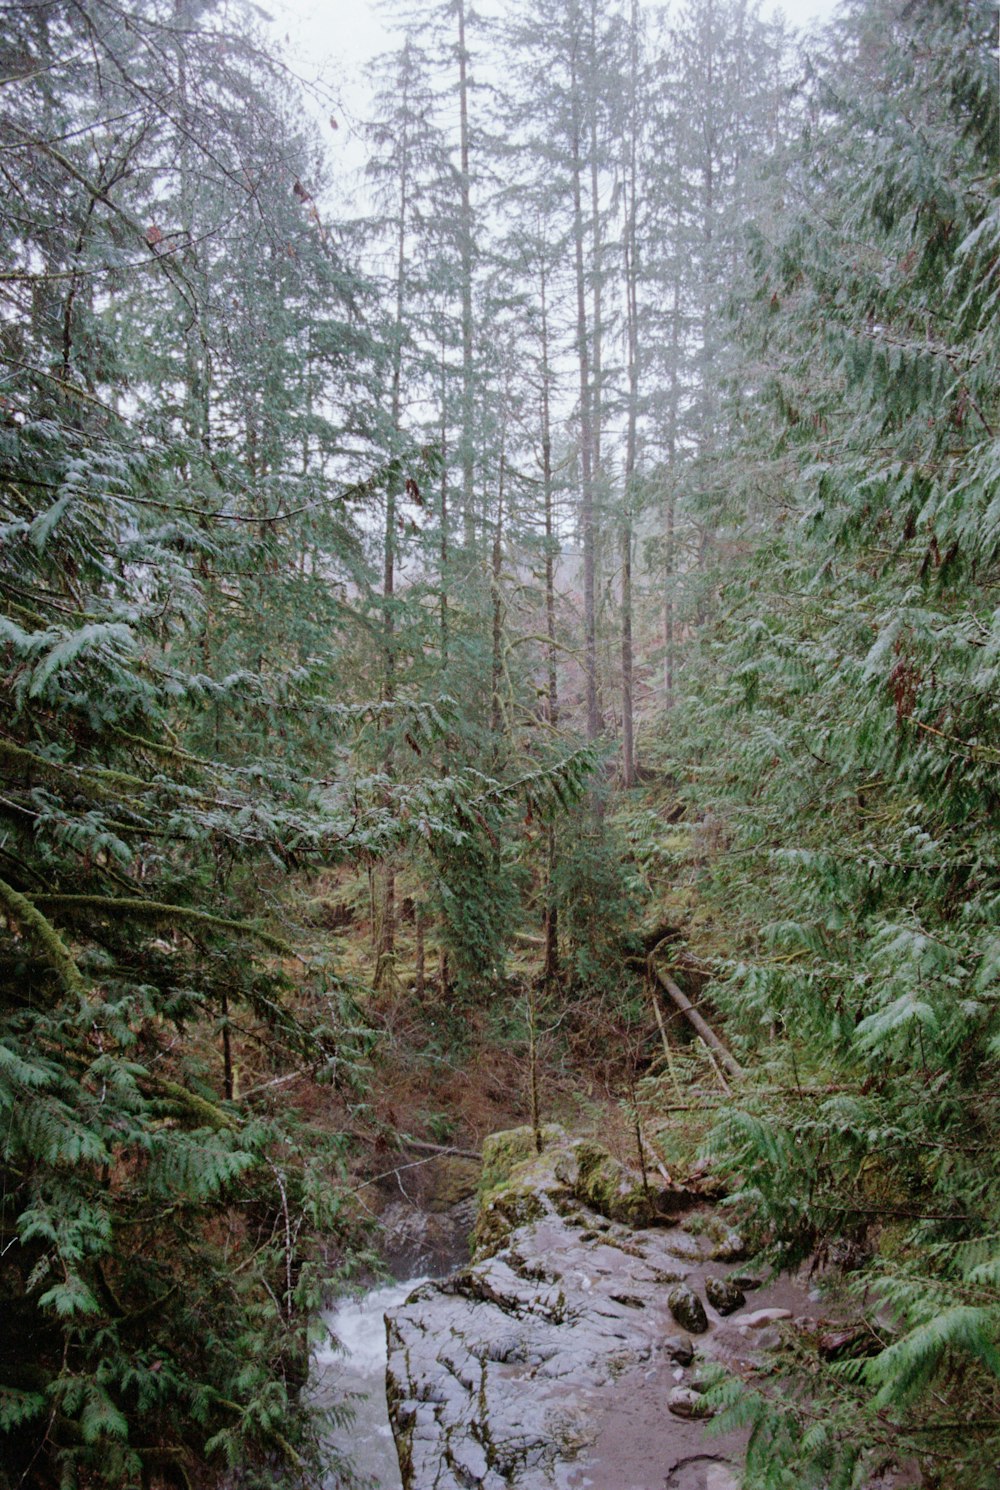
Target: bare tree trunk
551	915
669	639
631	250
551	924
586	425
597	255
420	981
496	600
465	249
670	499
552	699
533	1084
443	543
385	940
229	1085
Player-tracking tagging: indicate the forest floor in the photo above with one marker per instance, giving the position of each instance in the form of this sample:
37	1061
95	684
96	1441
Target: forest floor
445	1072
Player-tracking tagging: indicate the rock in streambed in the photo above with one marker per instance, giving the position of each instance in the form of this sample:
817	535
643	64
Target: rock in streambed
552	1358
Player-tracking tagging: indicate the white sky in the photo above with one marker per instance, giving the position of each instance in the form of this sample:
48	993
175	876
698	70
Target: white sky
331	40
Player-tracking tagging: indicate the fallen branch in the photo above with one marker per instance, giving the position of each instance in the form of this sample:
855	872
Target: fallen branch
666	1043
697	1022
423	1147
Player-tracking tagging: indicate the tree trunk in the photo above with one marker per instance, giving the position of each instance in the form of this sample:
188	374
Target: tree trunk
229	1085
385	941
465	251
631	251
496	601
420	981
551	923
551	914
443	543
587	532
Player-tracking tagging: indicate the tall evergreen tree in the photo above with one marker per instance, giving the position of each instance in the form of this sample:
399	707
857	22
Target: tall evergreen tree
852	687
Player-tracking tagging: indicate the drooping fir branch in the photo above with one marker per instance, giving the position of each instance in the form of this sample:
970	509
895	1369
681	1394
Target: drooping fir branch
27	918
135	908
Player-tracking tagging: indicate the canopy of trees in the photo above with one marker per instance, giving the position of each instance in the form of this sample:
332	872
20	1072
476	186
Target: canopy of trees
630	451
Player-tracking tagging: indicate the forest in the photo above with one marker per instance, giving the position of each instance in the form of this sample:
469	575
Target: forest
460	593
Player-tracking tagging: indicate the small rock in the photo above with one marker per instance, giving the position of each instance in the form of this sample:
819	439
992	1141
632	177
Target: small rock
723	1294
685	1402
761	1317
679	1349
729	1248
688	1309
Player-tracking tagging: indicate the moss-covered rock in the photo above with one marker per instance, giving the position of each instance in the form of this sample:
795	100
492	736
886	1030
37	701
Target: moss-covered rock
452	1180
504	1152
688	1309
518	1184
501	1214
724	1295
606	1186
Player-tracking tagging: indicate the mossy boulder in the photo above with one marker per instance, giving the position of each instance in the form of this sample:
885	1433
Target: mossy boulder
501	1215
504	1152
606	1186
724	1295
688	1309
518	1184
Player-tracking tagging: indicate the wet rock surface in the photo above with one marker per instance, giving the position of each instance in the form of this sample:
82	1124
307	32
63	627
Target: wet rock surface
554	1358
688	1309
725	1295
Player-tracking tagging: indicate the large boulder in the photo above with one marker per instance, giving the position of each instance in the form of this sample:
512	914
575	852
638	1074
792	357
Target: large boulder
688	1309
557	1345
568	1173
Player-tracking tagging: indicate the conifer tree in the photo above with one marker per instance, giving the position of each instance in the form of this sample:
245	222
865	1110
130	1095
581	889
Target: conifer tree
852	687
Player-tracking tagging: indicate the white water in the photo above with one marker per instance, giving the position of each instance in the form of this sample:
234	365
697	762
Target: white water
359	1367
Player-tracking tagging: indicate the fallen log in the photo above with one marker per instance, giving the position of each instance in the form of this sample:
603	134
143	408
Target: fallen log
423	1147
698	1023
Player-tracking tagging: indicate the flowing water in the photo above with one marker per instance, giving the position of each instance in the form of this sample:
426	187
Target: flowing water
356	1373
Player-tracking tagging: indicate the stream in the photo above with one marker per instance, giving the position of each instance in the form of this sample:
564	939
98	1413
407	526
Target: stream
356	1373
568	1355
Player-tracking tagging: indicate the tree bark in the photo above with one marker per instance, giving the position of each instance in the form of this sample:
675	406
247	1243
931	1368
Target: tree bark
587	533
631	266
465	254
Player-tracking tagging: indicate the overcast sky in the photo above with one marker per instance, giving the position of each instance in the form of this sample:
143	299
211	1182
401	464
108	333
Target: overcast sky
333	39
328	43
